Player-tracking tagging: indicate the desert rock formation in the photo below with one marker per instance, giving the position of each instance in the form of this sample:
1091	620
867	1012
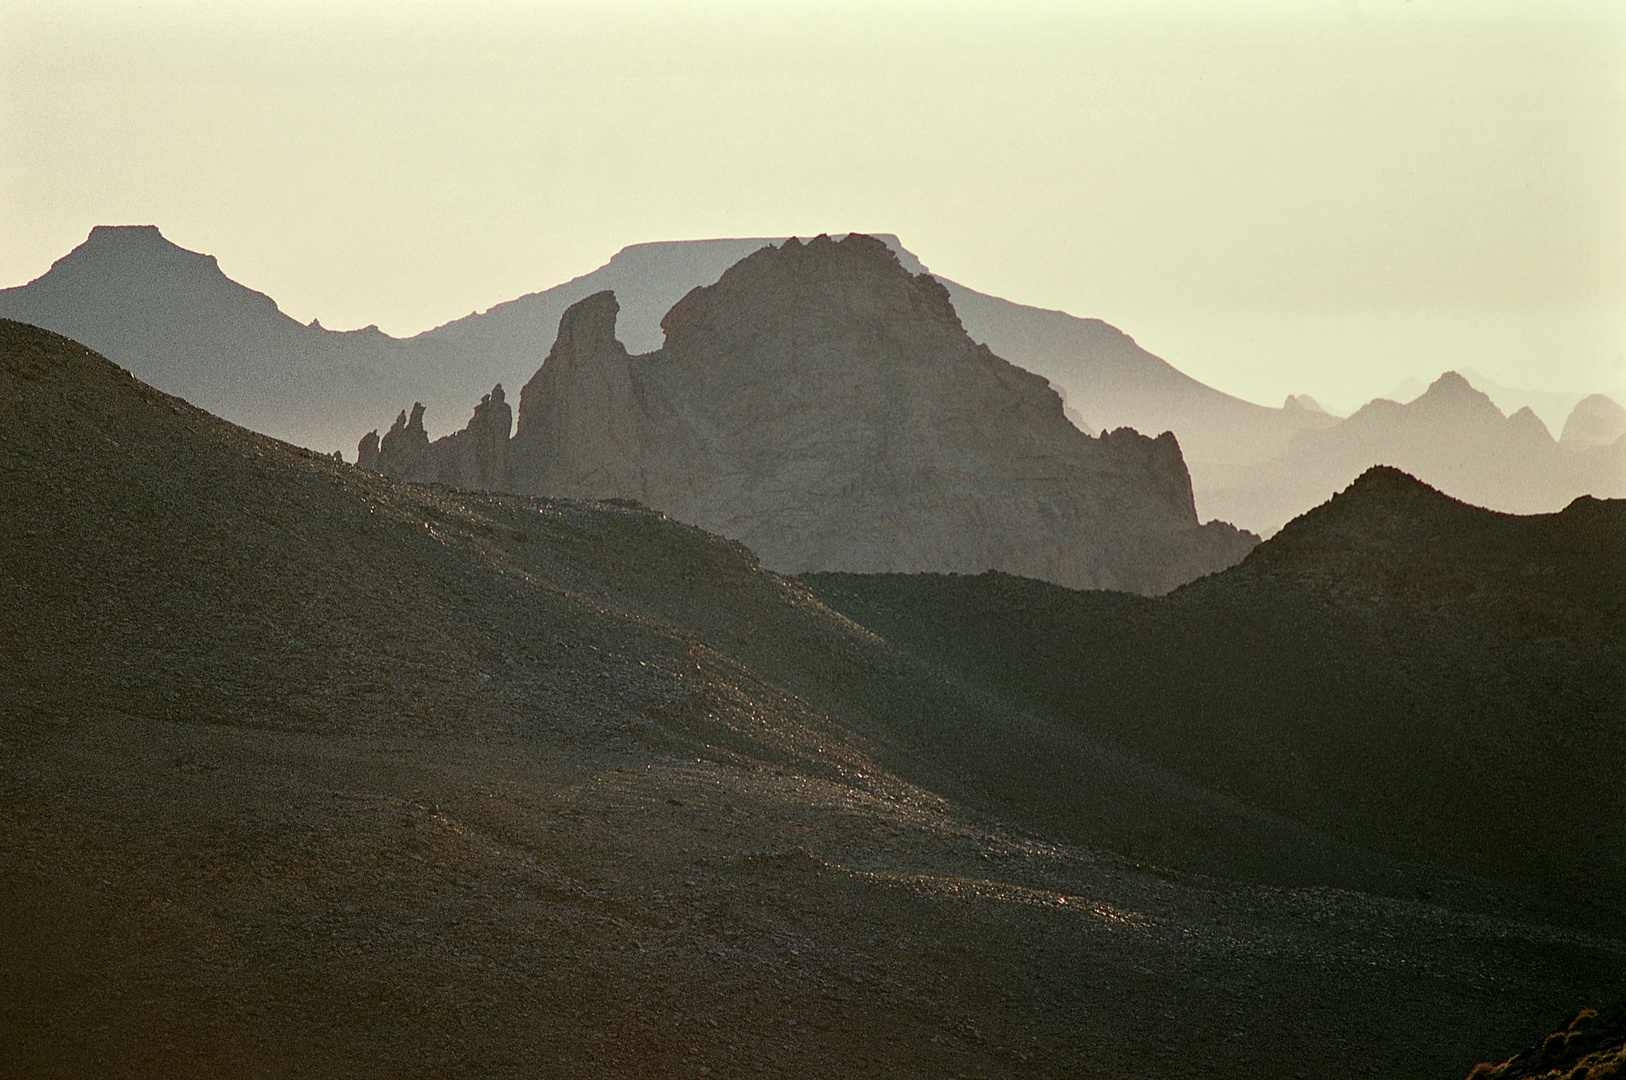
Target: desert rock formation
825	407
475	457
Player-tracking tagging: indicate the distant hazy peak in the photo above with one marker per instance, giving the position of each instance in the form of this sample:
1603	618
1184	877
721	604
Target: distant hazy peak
104	232
116	243
1526	423
1450	394
641	253
1597	419
1452	385
1303	402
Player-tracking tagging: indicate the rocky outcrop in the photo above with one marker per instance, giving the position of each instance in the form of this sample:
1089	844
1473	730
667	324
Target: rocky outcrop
579	432
1589	1045
825	407
475	457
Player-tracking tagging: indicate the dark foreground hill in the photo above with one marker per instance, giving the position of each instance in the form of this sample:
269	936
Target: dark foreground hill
1401	669
308	772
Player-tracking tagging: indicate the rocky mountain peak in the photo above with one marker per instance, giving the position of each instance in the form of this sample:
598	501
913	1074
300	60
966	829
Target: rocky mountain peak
825	407
854	277
1452	392
588	327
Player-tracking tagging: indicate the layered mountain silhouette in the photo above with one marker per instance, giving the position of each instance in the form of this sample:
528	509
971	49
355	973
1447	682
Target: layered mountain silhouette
302	768
1452	436
1407	671
824	406
176	320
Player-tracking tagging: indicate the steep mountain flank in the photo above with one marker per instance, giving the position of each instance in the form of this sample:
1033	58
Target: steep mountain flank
308	772
1397	667
1452	436
825	407
1112	382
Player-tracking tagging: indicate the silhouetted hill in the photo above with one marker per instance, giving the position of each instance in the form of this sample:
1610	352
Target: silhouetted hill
307	772
1452	436
1401	669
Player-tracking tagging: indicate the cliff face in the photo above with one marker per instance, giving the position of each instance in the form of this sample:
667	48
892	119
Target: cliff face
825	407
579	433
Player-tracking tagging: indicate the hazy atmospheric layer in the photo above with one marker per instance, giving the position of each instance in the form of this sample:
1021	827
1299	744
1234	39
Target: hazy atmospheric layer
1322	197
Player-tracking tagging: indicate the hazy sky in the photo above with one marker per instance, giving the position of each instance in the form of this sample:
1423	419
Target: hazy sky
1277	197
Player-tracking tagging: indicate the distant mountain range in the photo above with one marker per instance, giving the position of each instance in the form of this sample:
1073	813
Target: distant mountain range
174	318
177	321
1452	436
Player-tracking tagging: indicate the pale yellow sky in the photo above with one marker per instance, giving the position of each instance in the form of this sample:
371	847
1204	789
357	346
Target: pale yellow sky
1277	197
